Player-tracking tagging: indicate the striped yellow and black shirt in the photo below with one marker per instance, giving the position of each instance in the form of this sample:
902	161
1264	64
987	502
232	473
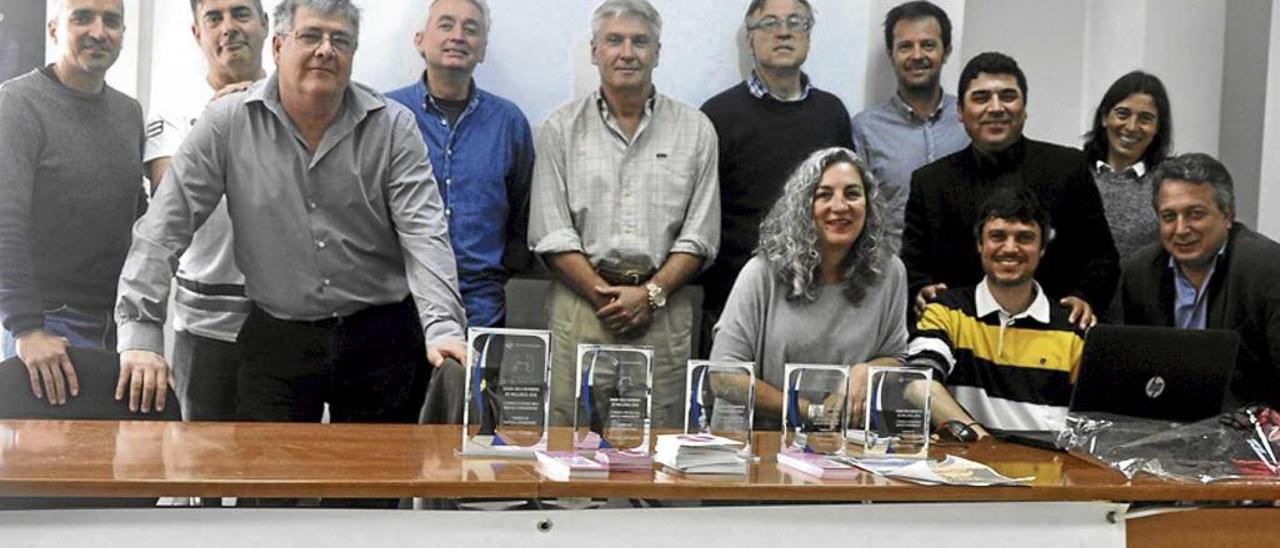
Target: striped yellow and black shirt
1011	372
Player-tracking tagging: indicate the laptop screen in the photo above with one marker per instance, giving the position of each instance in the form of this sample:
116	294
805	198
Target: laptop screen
1161	373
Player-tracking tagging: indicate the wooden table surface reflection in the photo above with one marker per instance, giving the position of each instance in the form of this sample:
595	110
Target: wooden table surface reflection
104	458
116	459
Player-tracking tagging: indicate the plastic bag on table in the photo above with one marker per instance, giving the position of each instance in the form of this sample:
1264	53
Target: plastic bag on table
1236	446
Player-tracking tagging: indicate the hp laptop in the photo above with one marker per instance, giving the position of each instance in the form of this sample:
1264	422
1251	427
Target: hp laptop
1163	373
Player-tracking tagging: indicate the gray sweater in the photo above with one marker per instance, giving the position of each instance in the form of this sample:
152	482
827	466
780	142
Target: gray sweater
760	325
71	179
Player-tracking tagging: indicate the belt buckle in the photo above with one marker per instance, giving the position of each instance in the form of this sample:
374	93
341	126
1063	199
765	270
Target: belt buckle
633	277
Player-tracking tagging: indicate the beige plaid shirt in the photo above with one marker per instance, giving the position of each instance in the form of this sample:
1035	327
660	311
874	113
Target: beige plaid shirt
625	204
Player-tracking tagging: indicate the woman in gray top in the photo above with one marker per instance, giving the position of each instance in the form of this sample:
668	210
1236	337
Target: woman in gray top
821	287
1132	133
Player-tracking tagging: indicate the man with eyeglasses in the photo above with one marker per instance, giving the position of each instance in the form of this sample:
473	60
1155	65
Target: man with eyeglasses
209	301
625	211
481	152
337	221
766	126
70	188
918	124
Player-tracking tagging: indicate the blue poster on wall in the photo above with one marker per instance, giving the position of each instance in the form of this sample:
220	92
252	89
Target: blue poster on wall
21	37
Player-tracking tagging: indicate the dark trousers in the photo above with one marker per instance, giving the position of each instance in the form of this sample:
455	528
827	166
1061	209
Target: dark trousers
205	372
370	366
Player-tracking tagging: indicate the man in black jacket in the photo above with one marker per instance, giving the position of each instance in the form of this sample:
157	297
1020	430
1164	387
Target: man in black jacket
1080	267
1209	271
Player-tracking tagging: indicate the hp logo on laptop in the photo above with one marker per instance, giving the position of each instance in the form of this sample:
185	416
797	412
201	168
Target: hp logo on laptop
1155	387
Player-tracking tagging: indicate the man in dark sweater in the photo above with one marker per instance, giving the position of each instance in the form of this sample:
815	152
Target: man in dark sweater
766	126
1080	266
71	177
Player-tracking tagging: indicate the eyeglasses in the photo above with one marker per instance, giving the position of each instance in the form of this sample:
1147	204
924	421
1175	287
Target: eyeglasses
311	39
772	23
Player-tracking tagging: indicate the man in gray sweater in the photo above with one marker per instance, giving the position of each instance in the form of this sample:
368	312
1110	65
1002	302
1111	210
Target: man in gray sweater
71	180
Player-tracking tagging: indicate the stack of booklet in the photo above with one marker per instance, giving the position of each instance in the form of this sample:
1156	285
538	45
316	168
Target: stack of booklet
701	454
817	465
567	465
625	461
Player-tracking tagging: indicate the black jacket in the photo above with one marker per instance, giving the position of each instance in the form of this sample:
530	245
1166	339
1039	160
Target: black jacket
938	244
1244	295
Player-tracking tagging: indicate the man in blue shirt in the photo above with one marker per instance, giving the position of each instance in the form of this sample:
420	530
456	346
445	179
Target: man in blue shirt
481	151
918	124
1209	271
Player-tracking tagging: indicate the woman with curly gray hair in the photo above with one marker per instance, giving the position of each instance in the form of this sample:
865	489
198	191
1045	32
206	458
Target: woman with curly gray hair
821	288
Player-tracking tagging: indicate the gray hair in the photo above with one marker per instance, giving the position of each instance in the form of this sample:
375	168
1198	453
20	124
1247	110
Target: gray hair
789	236
54	9
482	5
283	15
640	9
1199	168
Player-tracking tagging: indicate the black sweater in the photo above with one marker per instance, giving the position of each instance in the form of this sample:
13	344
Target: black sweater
761	142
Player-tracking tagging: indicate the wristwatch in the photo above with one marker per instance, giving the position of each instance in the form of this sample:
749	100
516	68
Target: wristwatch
657	296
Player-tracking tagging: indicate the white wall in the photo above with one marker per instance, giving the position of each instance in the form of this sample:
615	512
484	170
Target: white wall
1269	194
539	52
1185	46
1113	45
1244	96
1046	38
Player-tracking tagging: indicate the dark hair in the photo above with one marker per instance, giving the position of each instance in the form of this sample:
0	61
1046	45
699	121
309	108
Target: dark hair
757	5
1096	146
1015	204
1199	168
918	9
991	62
257	4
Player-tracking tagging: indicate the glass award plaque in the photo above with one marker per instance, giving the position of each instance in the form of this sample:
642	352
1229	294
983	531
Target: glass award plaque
614	397
815	408
721	400
896	422
507	392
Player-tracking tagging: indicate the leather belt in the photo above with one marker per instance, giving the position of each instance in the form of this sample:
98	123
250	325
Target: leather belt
630	277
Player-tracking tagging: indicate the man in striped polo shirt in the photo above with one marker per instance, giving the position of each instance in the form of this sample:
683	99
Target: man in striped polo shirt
1006	355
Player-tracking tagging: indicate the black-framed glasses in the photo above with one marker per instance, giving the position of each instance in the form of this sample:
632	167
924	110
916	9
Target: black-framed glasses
772	23
311	39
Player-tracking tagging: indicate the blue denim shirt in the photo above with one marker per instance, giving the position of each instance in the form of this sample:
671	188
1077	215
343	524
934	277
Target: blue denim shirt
484	165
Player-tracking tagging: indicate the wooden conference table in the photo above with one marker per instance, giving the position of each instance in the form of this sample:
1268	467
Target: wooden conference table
150	459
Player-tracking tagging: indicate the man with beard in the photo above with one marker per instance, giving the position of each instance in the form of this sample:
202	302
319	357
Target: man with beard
71	182
766	126
209	303
1081	263
919	123
1006	356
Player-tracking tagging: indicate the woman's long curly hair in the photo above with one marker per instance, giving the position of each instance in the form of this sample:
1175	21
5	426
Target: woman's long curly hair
789	237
